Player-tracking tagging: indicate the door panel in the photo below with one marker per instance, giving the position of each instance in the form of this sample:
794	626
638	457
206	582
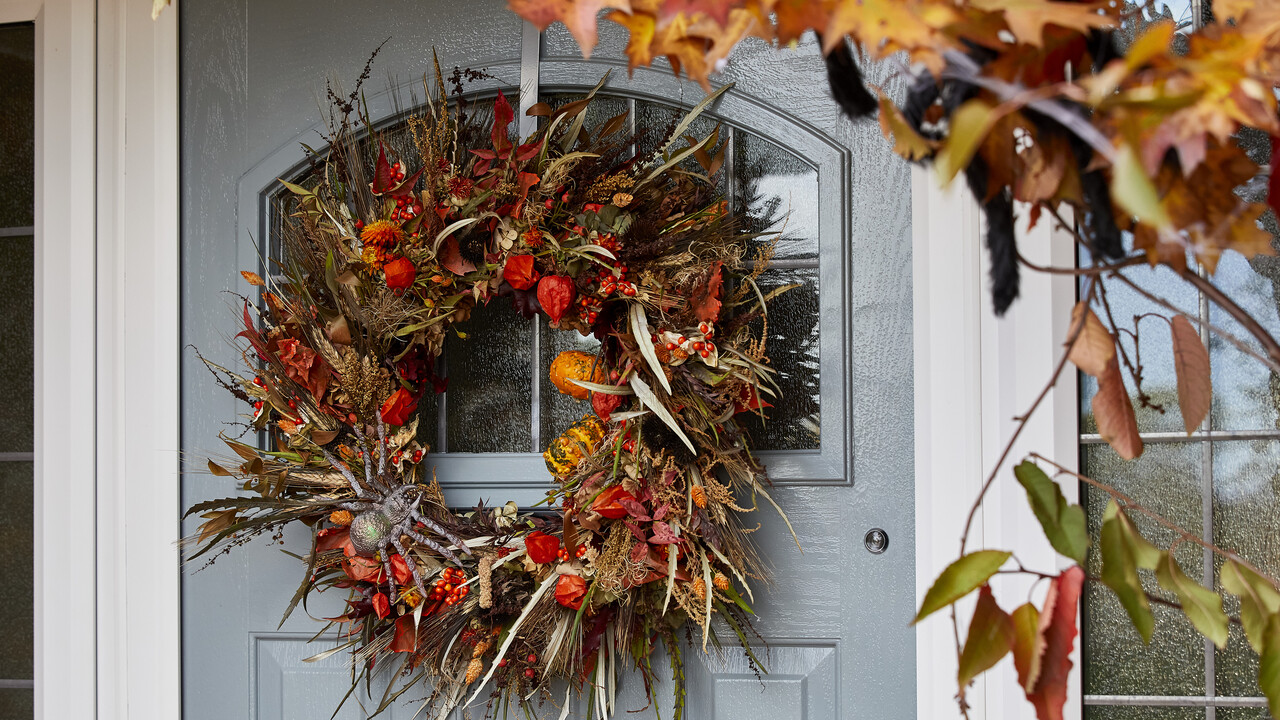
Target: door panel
834	624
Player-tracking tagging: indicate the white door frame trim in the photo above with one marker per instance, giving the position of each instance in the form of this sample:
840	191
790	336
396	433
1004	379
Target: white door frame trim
973	374
106	355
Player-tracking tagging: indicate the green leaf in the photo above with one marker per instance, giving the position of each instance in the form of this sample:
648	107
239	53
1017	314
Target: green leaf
1259	600
1120	572
1146	555
1063	524
1269	665
1028	645
961	578
1202	606
991	636
970	125
1134	191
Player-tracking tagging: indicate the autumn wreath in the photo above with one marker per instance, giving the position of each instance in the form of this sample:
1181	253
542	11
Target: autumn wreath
382	256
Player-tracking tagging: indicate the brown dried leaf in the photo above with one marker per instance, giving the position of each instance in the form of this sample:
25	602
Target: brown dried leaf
1191	361
1094	348
1114	413
252	278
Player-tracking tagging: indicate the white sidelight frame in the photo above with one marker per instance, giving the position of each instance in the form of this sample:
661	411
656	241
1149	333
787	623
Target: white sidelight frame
107	359
974	374
106	356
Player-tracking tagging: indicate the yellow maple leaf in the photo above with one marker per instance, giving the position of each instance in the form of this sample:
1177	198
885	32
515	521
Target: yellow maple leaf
1028	18
906	141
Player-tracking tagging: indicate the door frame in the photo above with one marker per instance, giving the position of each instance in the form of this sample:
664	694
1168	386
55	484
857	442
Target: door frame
106	359
107	320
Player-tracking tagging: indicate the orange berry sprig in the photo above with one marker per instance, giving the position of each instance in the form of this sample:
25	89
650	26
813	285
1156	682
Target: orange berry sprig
449	587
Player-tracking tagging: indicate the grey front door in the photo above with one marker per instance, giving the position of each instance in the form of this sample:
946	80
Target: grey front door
834	622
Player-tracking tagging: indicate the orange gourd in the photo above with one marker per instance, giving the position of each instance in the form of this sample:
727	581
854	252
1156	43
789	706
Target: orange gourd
576	365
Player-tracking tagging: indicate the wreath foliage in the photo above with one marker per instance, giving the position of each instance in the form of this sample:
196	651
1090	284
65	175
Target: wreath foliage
388	252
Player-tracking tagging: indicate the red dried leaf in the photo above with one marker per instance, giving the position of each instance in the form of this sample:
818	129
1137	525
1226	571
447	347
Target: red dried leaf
706	297
520	272
400	570
502	116
304	366
384	177
451	258
555	294
406	637
1058	630
607	503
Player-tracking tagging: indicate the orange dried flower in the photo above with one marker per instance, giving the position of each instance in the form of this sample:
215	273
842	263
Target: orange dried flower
340	517
699	496
381	234
720	581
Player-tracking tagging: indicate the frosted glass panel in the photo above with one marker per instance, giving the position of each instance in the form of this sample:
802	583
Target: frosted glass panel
1120	712
16	567
1246	394
1246	501
794	421
1116	662
17	125
17	293
777	192
488	405
17	703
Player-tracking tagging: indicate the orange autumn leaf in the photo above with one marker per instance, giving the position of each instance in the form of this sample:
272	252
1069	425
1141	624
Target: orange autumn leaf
1094	347
252	278
1191	362
1113	412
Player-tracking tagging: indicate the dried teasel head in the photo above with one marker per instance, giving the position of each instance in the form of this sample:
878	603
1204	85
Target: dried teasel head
341	518
475	669
699	588
720	582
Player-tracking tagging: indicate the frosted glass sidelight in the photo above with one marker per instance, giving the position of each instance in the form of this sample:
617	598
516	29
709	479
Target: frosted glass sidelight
1116	662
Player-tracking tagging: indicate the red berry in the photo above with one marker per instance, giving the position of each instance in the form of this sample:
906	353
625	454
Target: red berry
671	346
529	673
532	658
704	354
503	662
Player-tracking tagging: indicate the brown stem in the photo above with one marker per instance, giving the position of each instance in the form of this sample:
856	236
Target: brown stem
1089	271
1235	311
1022	423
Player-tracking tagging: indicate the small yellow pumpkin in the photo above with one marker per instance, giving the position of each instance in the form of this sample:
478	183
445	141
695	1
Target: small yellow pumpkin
566	451
576	365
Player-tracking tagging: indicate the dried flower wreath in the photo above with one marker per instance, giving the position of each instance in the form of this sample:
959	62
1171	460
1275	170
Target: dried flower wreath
637	249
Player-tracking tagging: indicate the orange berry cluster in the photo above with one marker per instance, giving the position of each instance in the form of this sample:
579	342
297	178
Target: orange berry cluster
616	281
563	553
449	587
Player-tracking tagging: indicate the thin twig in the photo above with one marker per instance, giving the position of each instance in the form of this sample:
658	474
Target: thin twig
1239	344
1022	422
1094	270
1272	362
1131	504
1235	311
